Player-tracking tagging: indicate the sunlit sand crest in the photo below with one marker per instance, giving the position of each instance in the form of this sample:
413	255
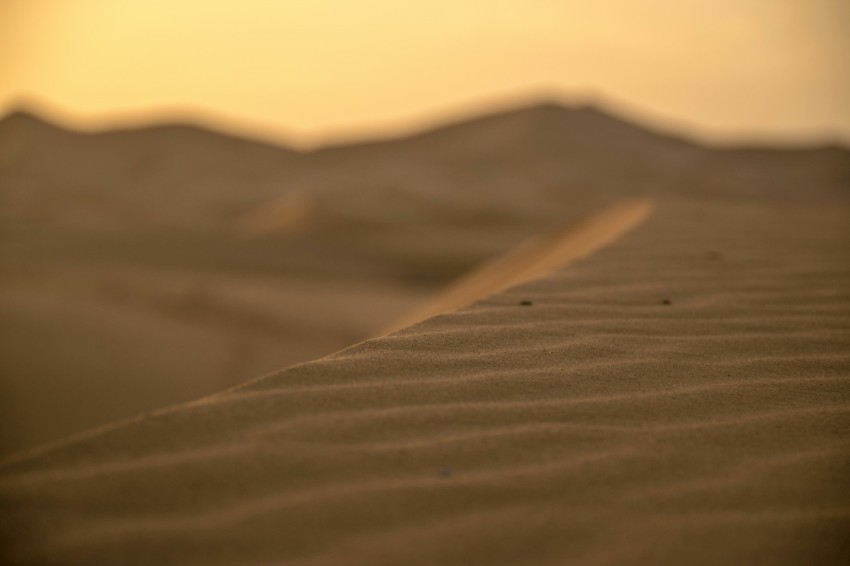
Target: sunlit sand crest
534	258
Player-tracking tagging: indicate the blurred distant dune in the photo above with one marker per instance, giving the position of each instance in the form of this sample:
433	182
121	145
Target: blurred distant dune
144	267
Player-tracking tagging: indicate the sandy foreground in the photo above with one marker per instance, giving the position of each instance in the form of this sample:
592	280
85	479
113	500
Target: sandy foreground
679	397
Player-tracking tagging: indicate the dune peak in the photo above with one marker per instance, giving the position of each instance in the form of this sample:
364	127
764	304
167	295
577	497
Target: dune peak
23	117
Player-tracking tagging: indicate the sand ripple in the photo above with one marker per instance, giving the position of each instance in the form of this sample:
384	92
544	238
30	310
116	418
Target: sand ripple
680	397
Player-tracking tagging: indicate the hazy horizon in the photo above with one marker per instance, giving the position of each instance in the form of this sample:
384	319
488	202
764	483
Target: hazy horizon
412	125
307	73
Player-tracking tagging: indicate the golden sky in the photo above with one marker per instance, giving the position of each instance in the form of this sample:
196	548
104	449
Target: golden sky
308	69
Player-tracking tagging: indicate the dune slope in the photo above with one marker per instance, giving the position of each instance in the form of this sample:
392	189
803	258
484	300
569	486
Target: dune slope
680	397
147	267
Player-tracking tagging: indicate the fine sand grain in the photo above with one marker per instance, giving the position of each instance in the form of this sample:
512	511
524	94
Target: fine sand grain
680	397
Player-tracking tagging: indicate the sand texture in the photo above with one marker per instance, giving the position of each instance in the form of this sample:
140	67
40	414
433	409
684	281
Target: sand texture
679	397
148	267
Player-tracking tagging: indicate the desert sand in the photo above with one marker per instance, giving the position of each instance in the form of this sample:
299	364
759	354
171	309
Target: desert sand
673	390
145	267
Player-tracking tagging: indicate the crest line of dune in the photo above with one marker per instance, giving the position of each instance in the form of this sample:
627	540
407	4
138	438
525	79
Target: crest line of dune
534	258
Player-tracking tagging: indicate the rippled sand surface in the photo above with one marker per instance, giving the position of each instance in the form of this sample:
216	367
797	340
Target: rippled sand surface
680	397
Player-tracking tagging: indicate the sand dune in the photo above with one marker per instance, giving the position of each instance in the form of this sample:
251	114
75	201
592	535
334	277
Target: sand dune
631	389
679	397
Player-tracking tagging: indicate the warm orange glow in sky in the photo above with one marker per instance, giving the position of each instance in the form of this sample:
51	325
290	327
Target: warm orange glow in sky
309	68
